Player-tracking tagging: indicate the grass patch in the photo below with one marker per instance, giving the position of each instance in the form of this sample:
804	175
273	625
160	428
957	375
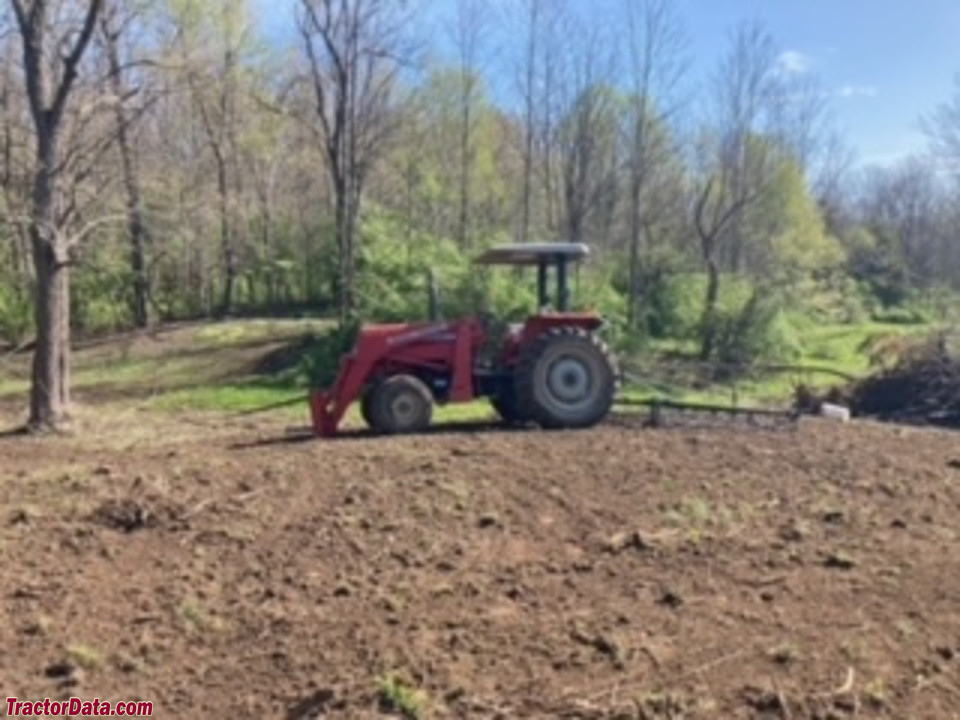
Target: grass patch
476	411
246	365
9	387
877	693
84	656
196	618
397	696
238	332
833	347
699	519
229	398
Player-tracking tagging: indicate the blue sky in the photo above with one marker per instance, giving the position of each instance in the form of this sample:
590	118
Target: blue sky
884	62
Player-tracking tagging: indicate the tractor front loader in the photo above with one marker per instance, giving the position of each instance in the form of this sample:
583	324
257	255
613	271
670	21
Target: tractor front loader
552	370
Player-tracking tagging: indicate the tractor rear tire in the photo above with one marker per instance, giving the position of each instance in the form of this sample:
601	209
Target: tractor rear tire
400	404
566	379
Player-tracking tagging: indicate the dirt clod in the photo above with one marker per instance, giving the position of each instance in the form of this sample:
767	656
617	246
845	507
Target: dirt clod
763	701
315	705
670	599
65	674
489	520
622	541
839	561
130	515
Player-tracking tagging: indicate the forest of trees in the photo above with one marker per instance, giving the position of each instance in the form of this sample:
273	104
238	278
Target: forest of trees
162	160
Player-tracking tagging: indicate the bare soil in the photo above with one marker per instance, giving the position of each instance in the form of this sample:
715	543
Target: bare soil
219	568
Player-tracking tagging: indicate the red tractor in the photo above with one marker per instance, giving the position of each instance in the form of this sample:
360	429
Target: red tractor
552	370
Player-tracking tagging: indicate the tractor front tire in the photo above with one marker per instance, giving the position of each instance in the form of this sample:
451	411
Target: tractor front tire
566	379
400	404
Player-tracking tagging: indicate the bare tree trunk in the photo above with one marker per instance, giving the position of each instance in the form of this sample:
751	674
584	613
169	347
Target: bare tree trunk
633	273
708	337
219	119
48	97
226	238
468	37
50	394
131	178
344	220
466	168
20	253
657	67
353	49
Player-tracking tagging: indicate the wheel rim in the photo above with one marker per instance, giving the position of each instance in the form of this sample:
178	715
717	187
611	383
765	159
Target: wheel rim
569	381
405	410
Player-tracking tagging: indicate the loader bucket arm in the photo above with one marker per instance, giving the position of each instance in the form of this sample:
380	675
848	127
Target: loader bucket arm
327	407
397	348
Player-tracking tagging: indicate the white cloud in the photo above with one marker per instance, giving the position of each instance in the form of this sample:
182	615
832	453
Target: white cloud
886	159
851	91
794	62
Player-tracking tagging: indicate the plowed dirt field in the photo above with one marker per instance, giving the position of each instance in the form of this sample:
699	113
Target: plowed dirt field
226	571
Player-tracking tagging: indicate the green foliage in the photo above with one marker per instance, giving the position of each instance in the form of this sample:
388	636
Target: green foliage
676	305
876	260
592	290
904	315
399	697
786	230
509	295
394	271
16	314
101	292
835	298
429	160
759	331
320	361
227	398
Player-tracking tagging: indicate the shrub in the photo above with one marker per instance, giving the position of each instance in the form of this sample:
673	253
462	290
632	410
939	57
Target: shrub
759	331
101	292
16	314
320	363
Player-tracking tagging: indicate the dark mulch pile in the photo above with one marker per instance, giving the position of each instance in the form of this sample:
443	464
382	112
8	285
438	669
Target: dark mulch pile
922	388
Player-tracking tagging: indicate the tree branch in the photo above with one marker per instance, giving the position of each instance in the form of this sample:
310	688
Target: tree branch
71	62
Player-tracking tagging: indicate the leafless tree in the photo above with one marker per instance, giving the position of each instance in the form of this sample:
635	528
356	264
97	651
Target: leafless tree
832	182
51	58
355	50
215	92
543	22
15	149
468	34
530	74
738	153
657	67
906	206
585	139
115	22
942	128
